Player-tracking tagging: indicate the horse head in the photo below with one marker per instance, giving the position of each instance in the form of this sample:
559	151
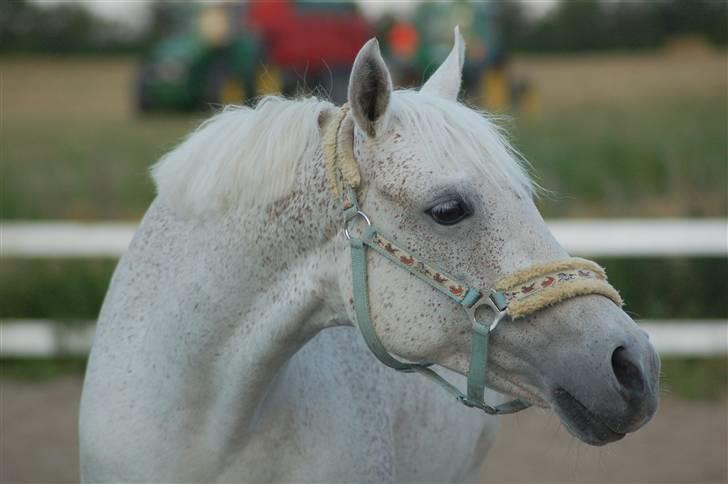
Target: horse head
440	178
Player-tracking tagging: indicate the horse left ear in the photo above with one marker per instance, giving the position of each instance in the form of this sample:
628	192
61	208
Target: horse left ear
445	82
370	88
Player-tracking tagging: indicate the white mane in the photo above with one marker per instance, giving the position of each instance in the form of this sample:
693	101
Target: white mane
240	157
244	157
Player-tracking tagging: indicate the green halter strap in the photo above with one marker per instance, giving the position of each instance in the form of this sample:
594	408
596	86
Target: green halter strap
470	298
516	295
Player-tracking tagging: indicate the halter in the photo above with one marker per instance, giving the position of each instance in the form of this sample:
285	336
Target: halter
516	295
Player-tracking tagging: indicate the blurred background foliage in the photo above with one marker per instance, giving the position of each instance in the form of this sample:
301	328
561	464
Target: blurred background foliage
583	25
593	25
60	28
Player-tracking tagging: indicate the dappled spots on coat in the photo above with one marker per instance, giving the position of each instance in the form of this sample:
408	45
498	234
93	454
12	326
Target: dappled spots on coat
236	292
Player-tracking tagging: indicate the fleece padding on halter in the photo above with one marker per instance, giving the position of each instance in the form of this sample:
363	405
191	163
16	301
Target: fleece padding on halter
341	168
544	285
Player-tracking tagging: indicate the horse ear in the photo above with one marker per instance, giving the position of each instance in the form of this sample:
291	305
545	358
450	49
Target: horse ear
445	82
370	88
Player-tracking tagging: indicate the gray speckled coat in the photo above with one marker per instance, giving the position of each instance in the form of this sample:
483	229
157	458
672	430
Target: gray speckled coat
226	349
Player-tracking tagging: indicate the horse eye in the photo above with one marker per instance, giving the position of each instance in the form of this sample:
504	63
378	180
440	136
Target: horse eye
449	212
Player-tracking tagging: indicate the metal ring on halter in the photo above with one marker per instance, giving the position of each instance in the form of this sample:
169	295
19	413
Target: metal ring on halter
358	213
486	301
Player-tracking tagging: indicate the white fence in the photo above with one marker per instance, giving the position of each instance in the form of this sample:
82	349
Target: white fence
623	238
43	338
617	237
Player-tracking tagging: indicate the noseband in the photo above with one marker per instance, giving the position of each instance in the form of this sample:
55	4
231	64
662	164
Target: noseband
515	295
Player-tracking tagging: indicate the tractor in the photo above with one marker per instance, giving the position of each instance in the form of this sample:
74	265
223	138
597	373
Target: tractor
234	53
414	47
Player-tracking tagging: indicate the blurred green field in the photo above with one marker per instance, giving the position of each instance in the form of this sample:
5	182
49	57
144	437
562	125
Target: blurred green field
610	136
689	378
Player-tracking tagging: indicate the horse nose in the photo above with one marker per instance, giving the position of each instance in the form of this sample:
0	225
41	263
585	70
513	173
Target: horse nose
629	373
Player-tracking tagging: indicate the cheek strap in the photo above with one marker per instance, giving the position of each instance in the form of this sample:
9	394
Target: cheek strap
478	352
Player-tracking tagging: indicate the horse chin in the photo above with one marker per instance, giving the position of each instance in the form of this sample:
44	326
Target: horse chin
581	422
523	390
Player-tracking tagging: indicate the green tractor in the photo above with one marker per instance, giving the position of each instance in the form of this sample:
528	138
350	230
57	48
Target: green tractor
203	62
232	53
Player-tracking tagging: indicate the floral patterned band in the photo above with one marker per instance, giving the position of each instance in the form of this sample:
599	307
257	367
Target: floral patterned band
546	284
526	291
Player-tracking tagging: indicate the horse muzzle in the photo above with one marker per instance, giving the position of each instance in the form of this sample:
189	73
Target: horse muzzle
620	397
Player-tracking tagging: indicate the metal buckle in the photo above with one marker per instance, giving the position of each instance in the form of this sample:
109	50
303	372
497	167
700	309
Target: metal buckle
487	301
358	213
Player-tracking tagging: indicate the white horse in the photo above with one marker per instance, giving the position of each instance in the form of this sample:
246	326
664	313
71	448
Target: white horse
227	348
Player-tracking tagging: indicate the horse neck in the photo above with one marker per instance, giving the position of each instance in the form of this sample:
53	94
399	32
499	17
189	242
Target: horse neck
247	291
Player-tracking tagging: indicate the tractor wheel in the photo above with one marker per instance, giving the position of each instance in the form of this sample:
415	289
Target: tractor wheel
269	80
222	86
143	97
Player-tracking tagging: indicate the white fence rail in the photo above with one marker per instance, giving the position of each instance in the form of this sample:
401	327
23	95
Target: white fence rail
618	237
44	338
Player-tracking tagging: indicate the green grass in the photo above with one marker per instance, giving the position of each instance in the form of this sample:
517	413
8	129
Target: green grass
642	160
691	378
66	289
41	369
656	159
671	288
695	378
83	170
72	289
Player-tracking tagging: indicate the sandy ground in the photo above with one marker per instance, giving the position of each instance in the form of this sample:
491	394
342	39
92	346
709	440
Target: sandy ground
686	442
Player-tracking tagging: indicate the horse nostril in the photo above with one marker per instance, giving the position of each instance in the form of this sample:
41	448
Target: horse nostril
627	373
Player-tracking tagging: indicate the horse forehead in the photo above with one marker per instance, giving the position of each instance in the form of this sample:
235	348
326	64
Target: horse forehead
400	164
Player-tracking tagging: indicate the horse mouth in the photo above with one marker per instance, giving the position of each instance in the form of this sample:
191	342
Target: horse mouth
581	422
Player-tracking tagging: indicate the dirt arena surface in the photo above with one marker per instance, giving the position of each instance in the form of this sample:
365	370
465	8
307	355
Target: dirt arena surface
685	443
